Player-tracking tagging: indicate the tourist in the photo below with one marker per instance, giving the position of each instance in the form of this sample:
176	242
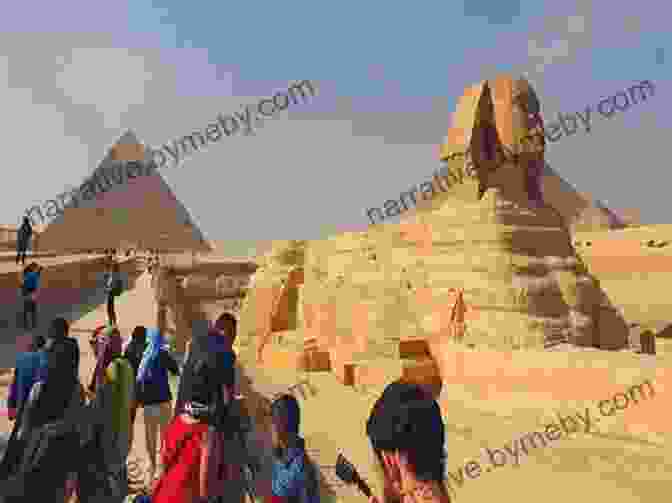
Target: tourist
153	392
23	236
113	387
184	452
35	467
407	435
59	334
94	344
133	353
227	326
29	290
113	288
210	366
29	367
294	476
215	348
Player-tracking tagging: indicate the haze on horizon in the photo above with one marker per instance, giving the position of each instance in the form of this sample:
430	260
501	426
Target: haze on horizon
70	85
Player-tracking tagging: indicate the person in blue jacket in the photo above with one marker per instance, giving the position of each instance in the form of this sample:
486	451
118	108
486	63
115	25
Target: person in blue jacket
153	392
29	288
30	367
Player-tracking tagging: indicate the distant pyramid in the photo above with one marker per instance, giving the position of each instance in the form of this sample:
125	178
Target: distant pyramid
127	204
579	211
615	221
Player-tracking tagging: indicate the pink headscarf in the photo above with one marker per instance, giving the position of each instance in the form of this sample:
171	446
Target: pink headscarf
24	343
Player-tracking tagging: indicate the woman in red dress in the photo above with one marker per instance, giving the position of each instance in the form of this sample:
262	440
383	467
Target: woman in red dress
184	453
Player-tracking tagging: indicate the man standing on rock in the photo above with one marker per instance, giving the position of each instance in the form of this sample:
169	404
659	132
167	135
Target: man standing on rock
23	240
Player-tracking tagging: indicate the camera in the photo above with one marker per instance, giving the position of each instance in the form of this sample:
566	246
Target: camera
347	472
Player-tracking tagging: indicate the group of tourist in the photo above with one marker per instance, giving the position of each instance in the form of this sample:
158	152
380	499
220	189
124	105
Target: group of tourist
69	440
113	286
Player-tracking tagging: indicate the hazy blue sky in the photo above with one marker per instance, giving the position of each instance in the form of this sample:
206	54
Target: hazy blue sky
74	74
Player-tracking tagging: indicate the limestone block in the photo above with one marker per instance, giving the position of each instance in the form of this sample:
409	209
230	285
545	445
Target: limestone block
376	373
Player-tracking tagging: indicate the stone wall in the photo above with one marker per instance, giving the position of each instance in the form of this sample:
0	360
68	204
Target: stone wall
201	291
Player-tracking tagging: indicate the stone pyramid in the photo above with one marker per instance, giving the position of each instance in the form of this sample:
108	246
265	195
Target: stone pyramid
581	212
131	206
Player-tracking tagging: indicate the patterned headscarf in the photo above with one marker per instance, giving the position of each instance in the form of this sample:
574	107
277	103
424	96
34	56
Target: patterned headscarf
107	347
150	358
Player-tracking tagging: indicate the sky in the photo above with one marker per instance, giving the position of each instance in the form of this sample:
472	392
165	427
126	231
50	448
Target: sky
76	74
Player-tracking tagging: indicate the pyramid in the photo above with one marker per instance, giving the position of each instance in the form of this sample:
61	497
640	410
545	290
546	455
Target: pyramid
579	211
126	210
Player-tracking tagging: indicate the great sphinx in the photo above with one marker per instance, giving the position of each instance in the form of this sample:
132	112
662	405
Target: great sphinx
495	149
369	299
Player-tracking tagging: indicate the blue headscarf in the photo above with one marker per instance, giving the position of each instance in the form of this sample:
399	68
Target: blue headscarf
150	358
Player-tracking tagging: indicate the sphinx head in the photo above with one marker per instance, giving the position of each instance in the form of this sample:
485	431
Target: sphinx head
497	138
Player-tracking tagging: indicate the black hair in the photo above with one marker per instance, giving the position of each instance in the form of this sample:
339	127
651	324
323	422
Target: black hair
286	413
139	333
61	381
59	328
227	323
200	389
406	419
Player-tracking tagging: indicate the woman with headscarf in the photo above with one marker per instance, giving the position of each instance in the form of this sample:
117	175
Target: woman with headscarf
105	342
113	387
133	353
294	477
113	376
153	391
213	347
47	427
184	448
